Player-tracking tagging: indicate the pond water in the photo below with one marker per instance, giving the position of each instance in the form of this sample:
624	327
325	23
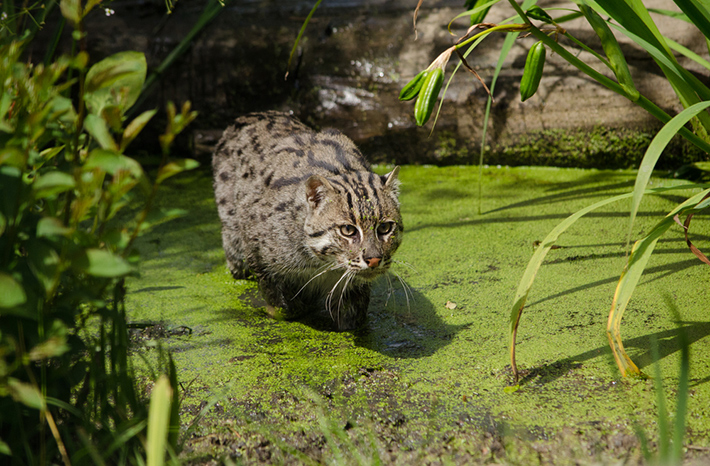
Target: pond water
428	379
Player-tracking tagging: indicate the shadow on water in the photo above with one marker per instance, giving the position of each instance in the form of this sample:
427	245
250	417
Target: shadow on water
639	348
401	321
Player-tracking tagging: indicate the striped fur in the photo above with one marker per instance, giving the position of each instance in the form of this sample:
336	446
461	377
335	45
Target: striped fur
302	212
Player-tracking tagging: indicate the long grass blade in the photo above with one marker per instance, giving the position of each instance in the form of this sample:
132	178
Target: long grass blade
636	22
300	34
504	50
472	11
611	47
210	12
158	422
539	256
640	254
686	52
653	153
697	14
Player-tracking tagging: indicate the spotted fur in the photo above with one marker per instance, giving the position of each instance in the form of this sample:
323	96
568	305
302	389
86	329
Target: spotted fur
302	212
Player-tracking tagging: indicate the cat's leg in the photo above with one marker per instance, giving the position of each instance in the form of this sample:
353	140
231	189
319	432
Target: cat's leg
235	256
352	314
282	297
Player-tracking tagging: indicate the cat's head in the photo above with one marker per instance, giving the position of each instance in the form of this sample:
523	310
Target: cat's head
354	221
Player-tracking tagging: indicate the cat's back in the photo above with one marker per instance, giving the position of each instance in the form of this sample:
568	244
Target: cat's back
272	151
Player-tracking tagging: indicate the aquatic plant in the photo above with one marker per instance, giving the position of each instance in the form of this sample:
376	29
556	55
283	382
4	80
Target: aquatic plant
72	204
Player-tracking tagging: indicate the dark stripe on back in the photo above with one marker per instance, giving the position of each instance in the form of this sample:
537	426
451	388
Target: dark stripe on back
339	153
321	164
281	182
371	182
291	150
283	206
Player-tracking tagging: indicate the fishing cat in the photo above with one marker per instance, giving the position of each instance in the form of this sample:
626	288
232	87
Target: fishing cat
302	212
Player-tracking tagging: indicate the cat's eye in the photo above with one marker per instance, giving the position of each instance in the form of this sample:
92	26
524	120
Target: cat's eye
348	230
384	228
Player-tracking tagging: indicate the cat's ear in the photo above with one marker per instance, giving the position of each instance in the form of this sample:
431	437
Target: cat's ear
317	188
391	181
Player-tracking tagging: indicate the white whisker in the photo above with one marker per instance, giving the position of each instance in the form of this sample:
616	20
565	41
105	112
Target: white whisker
351	274
329	298
326	268
406	264
406	288
390	289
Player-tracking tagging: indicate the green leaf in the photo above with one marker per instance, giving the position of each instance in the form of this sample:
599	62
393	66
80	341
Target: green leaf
11	292
3	223
101	263
5	448
113	115
98	129
478	10
158	421
698	13
476	14
63	110
162	215
12	156
54	345
116	80
44	263
613	52
173	168
71	10
51	184
48	227
49	154
135	127
640	254
535	12
26	394
653	153
112	162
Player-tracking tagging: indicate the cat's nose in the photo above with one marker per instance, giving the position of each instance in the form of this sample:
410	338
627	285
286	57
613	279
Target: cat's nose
373	262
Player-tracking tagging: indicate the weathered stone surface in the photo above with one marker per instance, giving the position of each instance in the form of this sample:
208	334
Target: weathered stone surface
355	57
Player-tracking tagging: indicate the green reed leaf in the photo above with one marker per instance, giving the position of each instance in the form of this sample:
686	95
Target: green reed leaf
613	52
535	262
653	153
158	421
640	254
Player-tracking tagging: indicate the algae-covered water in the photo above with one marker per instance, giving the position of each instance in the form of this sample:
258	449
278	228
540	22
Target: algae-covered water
428	381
